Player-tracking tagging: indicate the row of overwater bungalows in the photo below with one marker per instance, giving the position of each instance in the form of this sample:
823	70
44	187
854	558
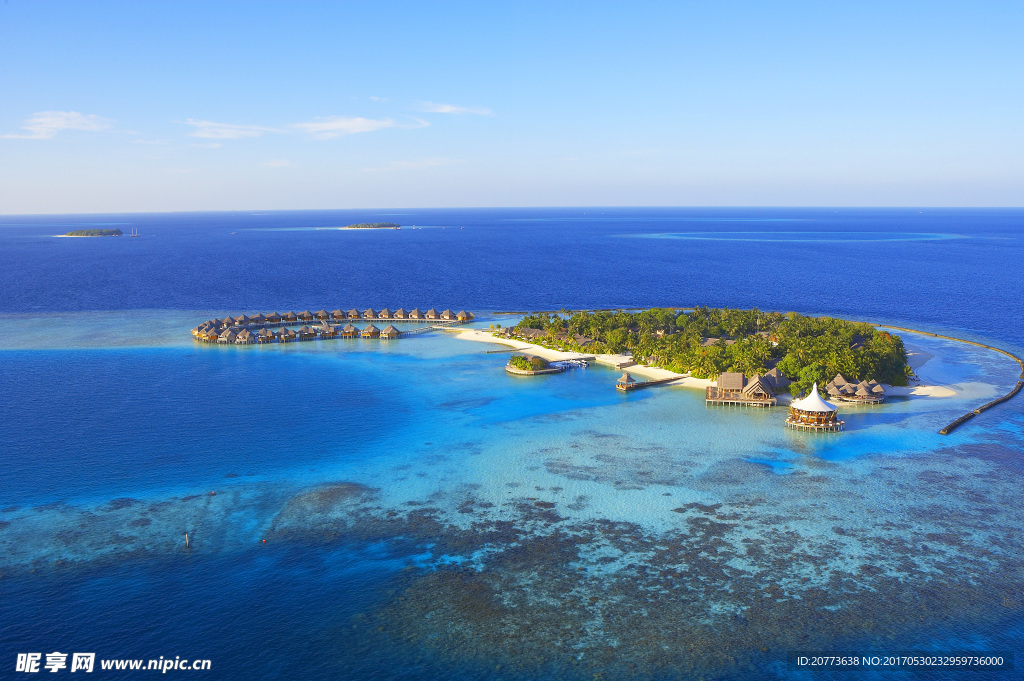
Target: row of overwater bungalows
245	329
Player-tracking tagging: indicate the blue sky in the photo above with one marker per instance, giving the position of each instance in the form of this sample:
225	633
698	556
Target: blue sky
151	106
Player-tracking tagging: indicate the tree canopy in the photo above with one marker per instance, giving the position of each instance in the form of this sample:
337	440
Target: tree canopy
708	341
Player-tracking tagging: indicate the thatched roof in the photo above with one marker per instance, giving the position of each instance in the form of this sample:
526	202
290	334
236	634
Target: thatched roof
289	315
371	329
306	331
863	391
286	333
431	312
384	313
349	329
306	314
834	390
265	333
731	380
839	380
626	379
273	316
258	318
877	389
462	314
338	314
369	313
353	312
321	314
400	313
758	384
447	314
390	330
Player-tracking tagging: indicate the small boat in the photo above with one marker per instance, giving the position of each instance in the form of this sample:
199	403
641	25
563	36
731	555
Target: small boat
135	232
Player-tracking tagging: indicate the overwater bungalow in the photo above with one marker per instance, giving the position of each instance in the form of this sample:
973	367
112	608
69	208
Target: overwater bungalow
865	392
322	315
369	313
349	331
354	314
733	388
384	314
264	336
431	314
370	332
227	321
400	313
228	335
245	337
306	316
305	333
464	316
258	318
243	320
416	314
338	314
814	413
390	332
625	382
289	317
273	318
448	315
327	331
286	335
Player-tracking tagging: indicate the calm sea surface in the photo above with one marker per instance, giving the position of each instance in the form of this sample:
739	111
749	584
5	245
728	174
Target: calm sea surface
406	510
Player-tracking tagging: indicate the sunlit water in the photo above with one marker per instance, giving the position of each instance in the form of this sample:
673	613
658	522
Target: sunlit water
406	509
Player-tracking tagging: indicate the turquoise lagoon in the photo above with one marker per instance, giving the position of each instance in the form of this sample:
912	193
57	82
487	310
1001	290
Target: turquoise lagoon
412	497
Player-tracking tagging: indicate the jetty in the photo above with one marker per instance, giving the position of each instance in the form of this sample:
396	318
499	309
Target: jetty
262	328
627	383
733	389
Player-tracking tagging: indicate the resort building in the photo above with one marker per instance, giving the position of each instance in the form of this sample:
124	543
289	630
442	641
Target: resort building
258	318
448	315
464	316
306	316
349	331
354	314
242	320
431	314
228	335
273	318
322	315
245	337
264	336
338	314
734	388
384	314
400	313
814	413
327	331
865	392
286	335
289	317
390	332
305	333
416	314
370	332
369	314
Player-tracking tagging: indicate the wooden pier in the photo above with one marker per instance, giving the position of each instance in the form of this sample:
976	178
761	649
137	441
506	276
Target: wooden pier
624	385
713	396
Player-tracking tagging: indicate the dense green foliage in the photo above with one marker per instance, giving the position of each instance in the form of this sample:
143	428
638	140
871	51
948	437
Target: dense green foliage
374	225
95	232
527	363
805	349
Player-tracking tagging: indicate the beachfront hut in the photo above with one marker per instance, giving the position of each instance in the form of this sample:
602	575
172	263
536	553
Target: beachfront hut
464	316
306	316
322	315
349	331
730	385
390	332
370	332
583	341
778	380
289	317
305	333
813	413
338	314
758	389
273	318
265	336
416	314
353	314
431	314
384	314
369	313
286	335
625	382
448	315
400	313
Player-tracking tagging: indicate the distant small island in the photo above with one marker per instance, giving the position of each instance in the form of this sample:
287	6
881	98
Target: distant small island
94	232
374	225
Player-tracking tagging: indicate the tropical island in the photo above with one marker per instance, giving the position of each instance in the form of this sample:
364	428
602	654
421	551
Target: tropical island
94	232
374	225
707	342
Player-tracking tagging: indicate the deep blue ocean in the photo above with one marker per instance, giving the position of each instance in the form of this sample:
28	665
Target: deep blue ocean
406	510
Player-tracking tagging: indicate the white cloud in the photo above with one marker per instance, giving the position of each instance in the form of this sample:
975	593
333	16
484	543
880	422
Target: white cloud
329	127
434	107
226	131
416	165
208	145
276	163
46	124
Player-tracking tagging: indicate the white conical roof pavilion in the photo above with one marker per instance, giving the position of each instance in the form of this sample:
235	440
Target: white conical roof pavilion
812	402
